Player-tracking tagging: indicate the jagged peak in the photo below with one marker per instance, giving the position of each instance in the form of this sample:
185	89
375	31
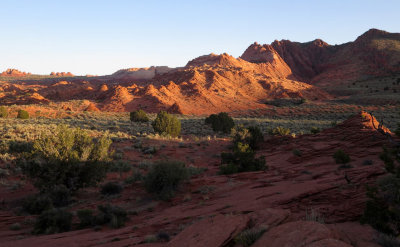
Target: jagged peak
374	33
212	59
319	43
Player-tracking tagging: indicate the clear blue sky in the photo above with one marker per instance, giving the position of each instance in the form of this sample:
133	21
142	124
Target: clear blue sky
100	37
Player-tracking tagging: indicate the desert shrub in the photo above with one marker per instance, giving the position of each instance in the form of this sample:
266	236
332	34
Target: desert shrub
86	217
367	162
139	116
20	147
149	150
280	131
60	196
220	122
3	112
387	240
249	236
314	215
251	135
387	157
150	239
22	114
135	177
113	215
36	204
230	168
167	124
397	131
297	152
163	237
315	130
53	221
111	188
164	178
242	159
341	157
194	171
4	173
120	166
15	227
382	210
70	157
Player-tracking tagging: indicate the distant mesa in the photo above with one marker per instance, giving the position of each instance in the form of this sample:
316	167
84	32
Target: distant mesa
61	74
14	72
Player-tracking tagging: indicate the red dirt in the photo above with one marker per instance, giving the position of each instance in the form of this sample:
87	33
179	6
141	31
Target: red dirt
276	199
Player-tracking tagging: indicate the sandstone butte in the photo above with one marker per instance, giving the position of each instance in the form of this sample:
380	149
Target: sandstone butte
276	199
214	83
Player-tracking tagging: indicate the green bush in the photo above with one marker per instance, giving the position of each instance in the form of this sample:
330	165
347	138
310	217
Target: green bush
86	217
242	159
139	116
111	188
3	112
164	178
220	122
167	124
113	215
53	221
36	204
341	157
70	157
251	135
22	114
280	131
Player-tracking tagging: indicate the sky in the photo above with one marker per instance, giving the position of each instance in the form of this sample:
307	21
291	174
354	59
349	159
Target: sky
100	37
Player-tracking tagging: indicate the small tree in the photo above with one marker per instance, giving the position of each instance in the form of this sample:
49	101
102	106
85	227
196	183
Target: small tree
167	124
3	112
70	157
139	116
220	122
22	114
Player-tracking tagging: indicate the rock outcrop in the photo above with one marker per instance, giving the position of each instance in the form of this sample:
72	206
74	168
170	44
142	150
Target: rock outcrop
14	73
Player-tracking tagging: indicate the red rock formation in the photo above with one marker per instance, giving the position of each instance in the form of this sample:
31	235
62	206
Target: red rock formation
14	73
61	74
92	107
375	53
